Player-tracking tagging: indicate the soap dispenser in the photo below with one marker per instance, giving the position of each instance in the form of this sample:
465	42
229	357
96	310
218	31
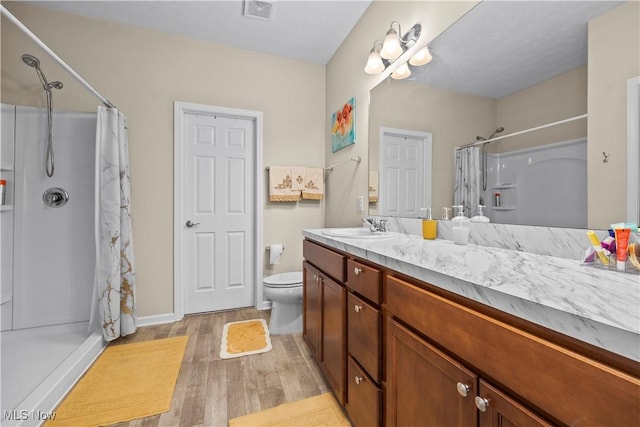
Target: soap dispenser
480	217
460	225
429	225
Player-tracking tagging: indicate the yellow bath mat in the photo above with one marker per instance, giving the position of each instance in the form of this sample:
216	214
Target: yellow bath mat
322	410
244	337
126	382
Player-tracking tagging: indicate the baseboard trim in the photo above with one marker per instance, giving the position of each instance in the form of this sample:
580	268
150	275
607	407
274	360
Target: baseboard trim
156	319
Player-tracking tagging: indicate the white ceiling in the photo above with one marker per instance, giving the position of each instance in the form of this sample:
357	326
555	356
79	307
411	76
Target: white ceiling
497	48
308	30
501	47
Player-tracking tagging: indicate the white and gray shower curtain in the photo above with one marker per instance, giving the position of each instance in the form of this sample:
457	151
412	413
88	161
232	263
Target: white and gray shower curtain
466	191
113	308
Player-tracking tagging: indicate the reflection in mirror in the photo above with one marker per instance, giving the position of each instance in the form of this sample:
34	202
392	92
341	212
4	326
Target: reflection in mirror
510	65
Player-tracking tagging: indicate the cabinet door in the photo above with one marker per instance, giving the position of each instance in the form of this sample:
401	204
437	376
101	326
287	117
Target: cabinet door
334	343
312	310
364	327
364	401
424	386
499	410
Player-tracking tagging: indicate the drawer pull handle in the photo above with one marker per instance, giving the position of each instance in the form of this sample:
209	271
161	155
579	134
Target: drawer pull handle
359	379
463	389
357	308
482	403
357	271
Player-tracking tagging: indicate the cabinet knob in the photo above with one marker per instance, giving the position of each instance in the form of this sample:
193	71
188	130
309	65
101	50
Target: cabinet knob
359	379
357	308
357	271
482	403
463	389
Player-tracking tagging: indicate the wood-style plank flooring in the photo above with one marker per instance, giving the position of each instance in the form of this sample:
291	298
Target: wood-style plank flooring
210	391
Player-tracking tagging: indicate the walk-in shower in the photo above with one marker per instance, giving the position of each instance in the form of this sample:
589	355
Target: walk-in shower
34	62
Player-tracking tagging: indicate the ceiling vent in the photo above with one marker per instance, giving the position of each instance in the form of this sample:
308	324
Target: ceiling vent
259	9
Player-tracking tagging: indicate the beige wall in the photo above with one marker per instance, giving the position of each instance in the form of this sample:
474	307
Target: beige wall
614	57
346	78
143	72
452	118
561	97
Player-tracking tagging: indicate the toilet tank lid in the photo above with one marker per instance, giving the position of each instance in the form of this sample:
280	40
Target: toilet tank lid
290	278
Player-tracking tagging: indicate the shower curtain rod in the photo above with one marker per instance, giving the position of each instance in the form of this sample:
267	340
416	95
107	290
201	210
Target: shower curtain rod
51	53
559	122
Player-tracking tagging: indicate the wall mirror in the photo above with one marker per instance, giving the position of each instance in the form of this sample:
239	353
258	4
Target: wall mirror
502	68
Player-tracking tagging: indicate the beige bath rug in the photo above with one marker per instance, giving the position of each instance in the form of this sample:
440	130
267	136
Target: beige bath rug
126	382
245	337
322	410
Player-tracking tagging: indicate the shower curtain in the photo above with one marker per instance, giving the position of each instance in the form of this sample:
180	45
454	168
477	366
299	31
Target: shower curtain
466	191
113	308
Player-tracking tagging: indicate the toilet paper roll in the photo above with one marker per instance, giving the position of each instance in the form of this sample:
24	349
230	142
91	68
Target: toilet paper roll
275	251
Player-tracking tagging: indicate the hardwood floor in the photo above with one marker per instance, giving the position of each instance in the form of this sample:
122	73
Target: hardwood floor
210	391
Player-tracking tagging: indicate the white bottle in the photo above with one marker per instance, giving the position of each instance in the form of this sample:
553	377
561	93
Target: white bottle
480	217
461	226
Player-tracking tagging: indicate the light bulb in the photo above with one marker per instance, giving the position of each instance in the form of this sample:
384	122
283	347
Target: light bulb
374	63
391	47
422	57
402	72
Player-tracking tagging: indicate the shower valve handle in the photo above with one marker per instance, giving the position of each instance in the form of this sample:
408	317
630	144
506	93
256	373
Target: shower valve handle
191	224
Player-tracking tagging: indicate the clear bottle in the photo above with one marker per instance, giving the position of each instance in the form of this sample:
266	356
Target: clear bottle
429	225
480	216
461	225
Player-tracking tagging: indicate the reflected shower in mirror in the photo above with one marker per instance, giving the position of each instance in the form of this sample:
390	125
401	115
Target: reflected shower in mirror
503	68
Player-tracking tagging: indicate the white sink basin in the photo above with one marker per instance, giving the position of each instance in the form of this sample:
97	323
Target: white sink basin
356	233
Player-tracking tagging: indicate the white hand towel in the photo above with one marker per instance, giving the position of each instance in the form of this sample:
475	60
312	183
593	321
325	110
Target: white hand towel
298	174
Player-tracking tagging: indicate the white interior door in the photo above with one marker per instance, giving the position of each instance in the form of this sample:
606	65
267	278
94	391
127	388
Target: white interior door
218	212
405	172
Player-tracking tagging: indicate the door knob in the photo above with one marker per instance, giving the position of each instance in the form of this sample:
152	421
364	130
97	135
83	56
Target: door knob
357	270
191	224
358	379
357	308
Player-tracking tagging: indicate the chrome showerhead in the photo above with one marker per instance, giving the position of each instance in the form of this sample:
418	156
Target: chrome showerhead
497	131
56	85
31	60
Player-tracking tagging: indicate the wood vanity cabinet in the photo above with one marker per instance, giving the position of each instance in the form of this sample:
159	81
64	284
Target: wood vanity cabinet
324	313
401	352
524	378
364	344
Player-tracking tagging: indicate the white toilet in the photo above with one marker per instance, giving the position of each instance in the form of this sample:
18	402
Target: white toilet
285	290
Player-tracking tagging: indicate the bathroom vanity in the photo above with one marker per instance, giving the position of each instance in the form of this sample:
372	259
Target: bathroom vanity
414	332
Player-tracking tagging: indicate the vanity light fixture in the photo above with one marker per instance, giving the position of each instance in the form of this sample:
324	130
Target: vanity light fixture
375	64
383	54
402	72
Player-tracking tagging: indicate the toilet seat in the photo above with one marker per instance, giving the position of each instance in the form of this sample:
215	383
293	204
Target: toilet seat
284	280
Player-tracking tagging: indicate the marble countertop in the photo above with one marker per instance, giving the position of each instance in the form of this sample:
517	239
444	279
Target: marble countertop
594	305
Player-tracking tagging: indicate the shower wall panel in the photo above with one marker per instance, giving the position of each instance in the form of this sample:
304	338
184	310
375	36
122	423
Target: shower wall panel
544	186
54	250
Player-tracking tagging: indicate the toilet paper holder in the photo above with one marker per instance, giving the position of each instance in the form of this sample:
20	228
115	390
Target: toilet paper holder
268	248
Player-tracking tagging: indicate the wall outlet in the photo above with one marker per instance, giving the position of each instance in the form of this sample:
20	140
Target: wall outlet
360	204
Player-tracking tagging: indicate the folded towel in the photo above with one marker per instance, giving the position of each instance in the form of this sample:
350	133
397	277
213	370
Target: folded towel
313	184
280	185
297	177
373	186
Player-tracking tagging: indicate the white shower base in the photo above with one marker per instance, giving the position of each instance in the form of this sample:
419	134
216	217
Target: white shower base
40	365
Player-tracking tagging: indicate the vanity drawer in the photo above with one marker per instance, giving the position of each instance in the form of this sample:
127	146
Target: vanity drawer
328	261
364	329
364	398
364	280
546	375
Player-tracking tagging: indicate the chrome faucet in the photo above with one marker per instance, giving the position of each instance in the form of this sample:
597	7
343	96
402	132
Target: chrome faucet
374	225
